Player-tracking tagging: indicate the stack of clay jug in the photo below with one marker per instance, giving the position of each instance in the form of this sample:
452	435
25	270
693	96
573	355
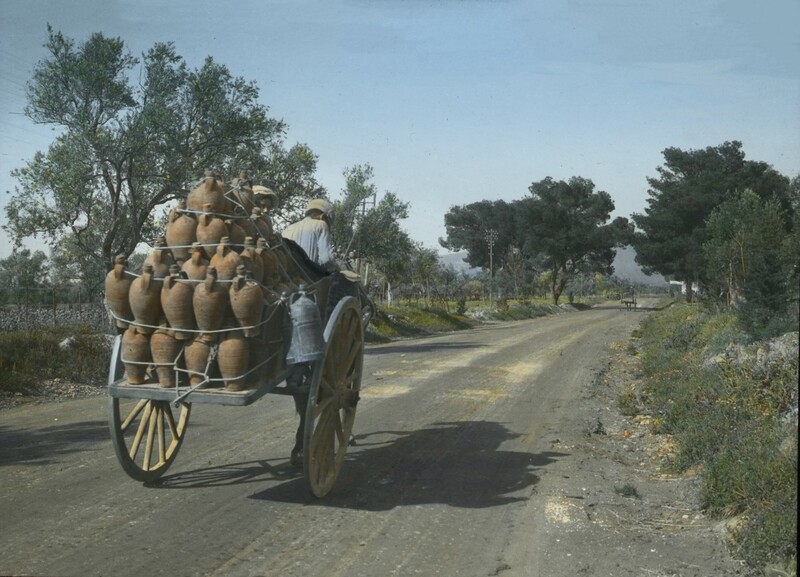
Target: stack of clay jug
212	282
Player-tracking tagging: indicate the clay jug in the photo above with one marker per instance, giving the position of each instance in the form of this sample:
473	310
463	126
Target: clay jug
181	232
196	354
145	300
210	303
160	258
195	267
270	275
234	361
262	223
235	234
210	229
177	295
165	349
247	302
117	286
209	191
252	261
273	337
135	353
225	260
243	199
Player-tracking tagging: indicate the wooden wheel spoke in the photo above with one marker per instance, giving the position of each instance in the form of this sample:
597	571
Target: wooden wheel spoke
133	414
352	354
337	426
173	431
325	387
162	449
322	406
147	458
137	440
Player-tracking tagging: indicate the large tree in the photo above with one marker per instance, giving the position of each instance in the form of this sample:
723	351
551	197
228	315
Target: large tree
566	223
133	134
474	227
691	184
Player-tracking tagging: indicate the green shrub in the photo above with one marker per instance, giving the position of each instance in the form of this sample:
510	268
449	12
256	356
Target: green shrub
29	357
728	419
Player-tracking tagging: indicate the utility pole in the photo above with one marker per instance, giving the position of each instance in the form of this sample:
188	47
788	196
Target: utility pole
359	218
491	238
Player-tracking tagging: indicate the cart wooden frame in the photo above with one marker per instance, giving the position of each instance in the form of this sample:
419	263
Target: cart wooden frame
148	423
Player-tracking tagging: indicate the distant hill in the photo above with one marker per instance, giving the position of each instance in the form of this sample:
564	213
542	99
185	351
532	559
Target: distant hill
625	267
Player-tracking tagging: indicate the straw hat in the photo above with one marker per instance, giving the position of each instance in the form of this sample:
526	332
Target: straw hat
321	205
265	194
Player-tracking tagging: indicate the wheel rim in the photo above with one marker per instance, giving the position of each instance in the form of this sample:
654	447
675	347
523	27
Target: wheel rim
333	398
146	433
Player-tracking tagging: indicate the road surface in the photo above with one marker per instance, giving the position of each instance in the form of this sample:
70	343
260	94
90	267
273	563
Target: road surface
463	466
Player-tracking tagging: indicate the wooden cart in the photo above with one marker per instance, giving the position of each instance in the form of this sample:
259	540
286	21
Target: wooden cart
148	423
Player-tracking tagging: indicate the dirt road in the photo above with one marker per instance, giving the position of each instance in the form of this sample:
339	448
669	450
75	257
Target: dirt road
495	451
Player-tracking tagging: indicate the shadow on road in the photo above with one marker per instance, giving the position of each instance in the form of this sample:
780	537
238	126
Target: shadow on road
258	471
42	446
457	464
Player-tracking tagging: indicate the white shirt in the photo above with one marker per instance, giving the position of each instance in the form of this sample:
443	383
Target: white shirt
313	237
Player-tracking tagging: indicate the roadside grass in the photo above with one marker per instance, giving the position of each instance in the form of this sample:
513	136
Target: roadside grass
406	321
412	320
734	422
30	357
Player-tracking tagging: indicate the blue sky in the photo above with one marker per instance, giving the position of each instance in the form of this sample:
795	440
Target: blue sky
456	101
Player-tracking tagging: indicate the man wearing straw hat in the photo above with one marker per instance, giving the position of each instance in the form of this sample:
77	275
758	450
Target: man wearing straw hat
313	233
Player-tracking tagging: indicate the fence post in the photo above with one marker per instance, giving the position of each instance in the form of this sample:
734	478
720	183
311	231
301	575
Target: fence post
55	316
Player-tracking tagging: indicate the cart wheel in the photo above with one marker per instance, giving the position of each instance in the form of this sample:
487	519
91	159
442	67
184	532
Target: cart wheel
146	433
333	396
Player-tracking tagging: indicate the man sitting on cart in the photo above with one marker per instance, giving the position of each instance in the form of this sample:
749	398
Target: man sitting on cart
313	233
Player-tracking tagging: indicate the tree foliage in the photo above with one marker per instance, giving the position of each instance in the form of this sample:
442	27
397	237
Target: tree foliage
567	226
691	184
562	229
24	269
467	226
134	134
371	231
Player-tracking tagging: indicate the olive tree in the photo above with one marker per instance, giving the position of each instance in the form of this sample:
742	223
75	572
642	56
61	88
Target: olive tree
132	135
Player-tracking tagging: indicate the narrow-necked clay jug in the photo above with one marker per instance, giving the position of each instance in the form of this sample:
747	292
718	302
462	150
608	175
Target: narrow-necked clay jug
209	191
135	353
234	361
286	268
262	223
117	285
210	303
160	258
145	300
165	350
225	260
177	295
269	275
196	354
235	233
195	267
274	336
210	229
247	302
243	198
252	261
181	232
